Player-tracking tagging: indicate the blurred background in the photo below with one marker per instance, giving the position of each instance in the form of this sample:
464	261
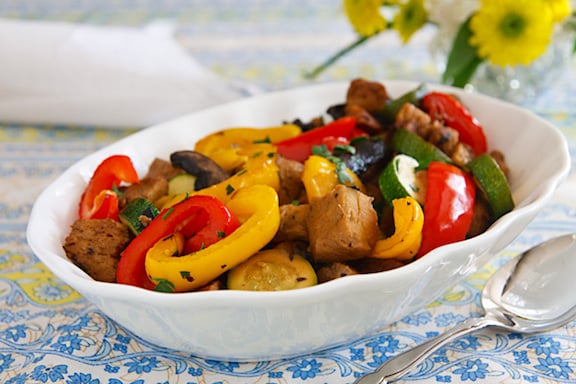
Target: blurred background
270	44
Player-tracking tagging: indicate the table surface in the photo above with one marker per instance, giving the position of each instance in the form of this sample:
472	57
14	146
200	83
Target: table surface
50	334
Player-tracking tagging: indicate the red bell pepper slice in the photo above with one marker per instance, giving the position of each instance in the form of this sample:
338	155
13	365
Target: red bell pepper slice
332	141
299	148
105	205
445	107
448	206
205	218
97	201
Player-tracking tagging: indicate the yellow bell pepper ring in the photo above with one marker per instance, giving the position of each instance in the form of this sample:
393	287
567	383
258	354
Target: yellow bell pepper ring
224	146
320	176
405	242
256	207
260	168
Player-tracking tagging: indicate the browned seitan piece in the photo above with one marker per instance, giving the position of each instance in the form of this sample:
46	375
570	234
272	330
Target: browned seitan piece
417	121
342	226
148	188
333	271
291	186
372	265
481	219
152	186
369	95
163	169
95	246
364	119
364	97
292	223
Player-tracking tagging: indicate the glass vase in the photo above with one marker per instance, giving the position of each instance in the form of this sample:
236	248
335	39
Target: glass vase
519	84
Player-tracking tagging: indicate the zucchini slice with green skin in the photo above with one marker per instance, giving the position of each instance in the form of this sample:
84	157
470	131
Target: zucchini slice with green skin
493	184
272	270
137	214
414	146
399	179
181	183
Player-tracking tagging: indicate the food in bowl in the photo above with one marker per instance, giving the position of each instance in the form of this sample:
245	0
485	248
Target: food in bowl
241	325
382	183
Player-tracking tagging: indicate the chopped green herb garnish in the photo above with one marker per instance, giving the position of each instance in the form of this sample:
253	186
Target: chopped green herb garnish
265	140
117	190
270	155
256	154
168	213
229	189
187	276
221	234
359	139
164	285
295	202
341	174
321	150
341	149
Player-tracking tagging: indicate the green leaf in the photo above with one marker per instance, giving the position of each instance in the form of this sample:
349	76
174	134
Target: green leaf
164	286
463	59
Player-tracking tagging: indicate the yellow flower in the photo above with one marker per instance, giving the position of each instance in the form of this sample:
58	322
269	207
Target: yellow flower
410	18
560	9
365	16
510	32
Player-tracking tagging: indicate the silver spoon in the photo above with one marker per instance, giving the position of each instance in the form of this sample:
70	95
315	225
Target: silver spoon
533	292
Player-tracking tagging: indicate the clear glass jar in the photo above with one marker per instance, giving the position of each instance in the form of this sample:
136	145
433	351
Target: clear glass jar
518	84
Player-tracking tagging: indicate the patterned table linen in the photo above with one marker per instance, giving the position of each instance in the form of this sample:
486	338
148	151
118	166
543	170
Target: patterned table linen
50	334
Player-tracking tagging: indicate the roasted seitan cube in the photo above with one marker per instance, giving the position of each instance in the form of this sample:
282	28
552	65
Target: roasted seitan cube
333	271
364	119
150	189
371	265
292	223
370	95
161	168
342	226
95	246
415	120
291	186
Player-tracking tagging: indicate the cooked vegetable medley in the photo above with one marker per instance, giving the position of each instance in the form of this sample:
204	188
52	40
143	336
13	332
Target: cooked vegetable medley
381	184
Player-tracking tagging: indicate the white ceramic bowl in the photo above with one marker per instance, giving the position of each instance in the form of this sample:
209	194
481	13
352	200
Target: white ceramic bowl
250	326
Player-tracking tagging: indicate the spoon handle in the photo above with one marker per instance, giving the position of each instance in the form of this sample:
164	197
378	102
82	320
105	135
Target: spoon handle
400	364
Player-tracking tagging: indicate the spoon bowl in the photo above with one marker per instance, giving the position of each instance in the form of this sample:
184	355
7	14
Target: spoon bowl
530	293
533	289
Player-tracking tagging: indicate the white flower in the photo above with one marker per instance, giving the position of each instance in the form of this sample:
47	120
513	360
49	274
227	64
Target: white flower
450	13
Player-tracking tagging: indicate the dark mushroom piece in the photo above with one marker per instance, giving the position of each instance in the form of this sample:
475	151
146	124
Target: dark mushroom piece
205	169
368	152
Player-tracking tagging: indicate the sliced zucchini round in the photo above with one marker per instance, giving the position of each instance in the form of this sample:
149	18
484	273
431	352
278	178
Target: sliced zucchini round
272	270
493	184
400	179
414	146
181	183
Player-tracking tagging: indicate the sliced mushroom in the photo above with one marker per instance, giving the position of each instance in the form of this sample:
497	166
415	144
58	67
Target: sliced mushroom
368	152
207	172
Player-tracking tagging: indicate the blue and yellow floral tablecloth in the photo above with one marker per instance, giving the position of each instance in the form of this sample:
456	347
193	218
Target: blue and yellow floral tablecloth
50	334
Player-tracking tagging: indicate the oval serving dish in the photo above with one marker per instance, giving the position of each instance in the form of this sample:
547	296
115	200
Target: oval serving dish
251	326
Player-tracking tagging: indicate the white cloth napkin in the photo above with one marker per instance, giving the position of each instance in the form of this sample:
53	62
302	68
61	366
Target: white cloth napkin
64	73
